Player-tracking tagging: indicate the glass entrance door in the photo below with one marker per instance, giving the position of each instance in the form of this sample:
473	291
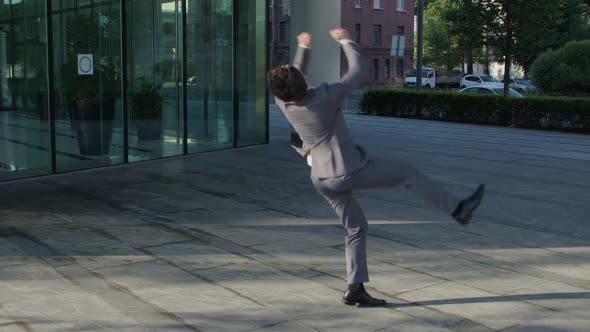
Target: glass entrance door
209	75
154	41
87	66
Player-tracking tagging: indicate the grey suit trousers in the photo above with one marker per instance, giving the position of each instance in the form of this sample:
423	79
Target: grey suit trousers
376	173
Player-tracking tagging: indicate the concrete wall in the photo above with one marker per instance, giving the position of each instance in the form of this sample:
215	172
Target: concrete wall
318	17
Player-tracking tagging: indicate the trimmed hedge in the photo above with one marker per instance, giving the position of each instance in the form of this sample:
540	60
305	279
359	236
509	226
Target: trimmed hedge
549	113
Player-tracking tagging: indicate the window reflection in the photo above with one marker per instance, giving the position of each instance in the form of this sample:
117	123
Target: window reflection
24	111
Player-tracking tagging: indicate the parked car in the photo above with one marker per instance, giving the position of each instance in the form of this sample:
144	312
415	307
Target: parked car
491	90
449	82
428	78
471	80
522	85
432	80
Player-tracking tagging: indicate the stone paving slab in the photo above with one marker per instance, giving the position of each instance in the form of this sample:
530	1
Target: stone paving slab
257	281
68	311
553	323
566	299
413	325
194	256
480	306
317	307
32	281
290	326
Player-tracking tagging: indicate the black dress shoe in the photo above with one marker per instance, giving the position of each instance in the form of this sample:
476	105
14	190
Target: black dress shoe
465	209
361	298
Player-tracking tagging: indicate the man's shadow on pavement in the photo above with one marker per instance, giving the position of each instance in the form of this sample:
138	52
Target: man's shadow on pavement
483	299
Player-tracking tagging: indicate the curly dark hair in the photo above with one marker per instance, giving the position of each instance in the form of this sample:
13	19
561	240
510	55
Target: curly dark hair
287	83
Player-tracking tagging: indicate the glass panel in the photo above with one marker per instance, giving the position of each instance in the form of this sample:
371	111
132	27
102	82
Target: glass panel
87	54
5	10
209	74
24	125
251	67
155	116
65	4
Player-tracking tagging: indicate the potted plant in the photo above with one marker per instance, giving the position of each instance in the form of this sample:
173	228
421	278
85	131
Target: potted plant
146	108
38	95
90	100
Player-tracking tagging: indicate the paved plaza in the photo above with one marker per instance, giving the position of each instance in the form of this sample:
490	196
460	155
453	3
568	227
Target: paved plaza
238	240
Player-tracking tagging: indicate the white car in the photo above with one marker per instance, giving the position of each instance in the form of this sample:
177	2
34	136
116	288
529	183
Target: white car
490	90
471	80
521	85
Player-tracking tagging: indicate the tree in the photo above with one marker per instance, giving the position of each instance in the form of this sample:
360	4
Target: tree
573	26
440	48
586	4
566	70
466	24
453	27
515	25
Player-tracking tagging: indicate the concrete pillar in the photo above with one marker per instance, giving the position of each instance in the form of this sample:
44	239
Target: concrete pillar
318	17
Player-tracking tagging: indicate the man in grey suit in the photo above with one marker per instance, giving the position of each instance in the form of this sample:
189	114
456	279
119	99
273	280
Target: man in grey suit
339	167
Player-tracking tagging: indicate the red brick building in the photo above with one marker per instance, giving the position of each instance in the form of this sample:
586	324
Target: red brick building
372	23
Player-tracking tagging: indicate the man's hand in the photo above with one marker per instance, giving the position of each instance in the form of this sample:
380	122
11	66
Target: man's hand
339	34
304	39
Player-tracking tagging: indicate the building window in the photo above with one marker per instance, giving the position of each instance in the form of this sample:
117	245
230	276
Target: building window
375	69
279	3
358	4
270	3
357	33
387	66
377	4
399	72
401	31
377	28
283	32
286	7
270	32
401	6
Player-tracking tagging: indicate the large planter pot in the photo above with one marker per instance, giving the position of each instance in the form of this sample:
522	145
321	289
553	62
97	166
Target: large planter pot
93	121
147	110
149	130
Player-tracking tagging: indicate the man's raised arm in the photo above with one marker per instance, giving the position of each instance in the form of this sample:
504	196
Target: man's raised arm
301	58
352	77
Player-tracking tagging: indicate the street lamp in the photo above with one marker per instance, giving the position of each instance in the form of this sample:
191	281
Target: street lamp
420	15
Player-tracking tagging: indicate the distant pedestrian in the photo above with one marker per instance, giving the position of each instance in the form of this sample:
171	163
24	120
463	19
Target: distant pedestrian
339	167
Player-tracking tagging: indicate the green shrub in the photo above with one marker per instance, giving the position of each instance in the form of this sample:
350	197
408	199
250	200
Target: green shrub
551	113
544	72
566	70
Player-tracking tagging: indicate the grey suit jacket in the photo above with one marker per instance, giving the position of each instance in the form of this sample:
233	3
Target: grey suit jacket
319	122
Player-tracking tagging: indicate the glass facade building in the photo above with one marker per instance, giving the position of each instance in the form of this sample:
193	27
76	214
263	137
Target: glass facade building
92	83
